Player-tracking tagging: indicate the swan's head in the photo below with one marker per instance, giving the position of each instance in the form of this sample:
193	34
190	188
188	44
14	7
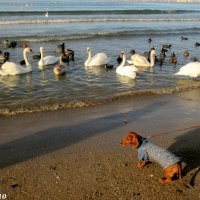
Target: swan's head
29	50
153	52
88	49
41	49
122	55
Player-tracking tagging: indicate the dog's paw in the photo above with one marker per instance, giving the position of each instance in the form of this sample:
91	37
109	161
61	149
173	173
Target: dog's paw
161	181
165	180
141	164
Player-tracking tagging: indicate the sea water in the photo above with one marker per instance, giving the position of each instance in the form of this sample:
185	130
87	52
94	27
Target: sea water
104	26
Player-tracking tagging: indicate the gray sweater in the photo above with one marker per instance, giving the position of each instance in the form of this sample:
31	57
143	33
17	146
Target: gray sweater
148	151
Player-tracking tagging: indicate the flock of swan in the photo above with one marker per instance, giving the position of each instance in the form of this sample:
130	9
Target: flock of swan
128	68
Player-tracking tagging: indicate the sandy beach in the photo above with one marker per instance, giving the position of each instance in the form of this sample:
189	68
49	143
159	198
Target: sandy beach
60	135
75	154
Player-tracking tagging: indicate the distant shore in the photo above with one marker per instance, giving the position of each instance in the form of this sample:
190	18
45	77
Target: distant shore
74	154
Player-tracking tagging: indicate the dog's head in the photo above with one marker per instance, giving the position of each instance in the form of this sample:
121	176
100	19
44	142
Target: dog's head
131	138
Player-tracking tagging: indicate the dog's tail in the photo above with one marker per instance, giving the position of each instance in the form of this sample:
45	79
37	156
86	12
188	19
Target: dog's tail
180	176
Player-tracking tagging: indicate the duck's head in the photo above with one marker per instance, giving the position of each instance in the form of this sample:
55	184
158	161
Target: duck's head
186	53
132	51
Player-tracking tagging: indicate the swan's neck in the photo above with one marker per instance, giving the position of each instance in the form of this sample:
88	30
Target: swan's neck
26	58
152	60
42	57
123	61
89	55
89	58
60	60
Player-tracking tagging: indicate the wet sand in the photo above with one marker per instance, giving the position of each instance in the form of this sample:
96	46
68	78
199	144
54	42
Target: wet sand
75	154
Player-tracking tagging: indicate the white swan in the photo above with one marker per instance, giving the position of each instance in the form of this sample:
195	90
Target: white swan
47	60
141	61
191	69
97	60
46	14
129	70
11	68
59	69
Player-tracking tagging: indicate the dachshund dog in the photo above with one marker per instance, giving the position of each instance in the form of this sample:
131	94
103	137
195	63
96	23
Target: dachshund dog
147	150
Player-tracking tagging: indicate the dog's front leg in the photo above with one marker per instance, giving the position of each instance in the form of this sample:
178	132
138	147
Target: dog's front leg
143	158
141	164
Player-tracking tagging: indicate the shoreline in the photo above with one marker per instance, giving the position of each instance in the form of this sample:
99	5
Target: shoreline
75	154
54	105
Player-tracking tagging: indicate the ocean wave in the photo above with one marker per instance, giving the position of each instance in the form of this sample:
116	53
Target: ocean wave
90	35
94	20
96	12
53	105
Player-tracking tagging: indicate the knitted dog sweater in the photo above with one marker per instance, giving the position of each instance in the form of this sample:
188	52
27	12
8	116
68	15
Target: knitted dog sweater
148	151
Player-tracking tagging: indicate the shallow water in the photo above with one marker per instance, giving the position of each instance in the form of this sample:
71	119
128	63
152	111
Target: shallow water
118	26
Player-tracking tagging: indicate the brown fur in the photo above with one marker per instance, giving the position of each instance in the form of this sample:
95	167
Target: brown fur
173	171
